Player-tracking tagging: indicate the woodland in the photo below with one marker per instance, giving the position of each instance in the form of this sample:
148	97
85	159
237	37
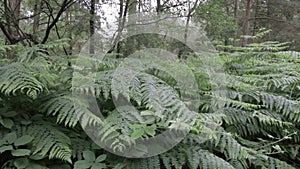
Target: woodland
57	89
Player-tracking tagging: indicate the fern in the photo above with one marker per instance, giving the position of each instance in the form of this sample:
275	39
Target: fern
70	110
249	122
49	141
146	163
18	78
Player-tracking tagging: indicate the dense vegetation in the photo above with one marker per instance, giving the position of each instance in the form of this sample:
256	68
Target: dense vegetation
244	115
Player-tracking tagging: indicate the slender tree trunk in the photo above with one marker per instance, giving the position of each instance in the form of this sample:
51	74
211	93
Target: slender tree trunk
246	25
235	15
131	41
92	27
189	15
132	9
236	8
226	41
68	27
159	7
12	11
228	7
269	16
140	6
36	19
255	16
14	7
121	24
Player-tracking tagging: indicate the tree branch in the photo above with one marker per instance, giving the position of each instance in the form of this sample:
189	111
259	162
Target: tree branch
64	6
7	35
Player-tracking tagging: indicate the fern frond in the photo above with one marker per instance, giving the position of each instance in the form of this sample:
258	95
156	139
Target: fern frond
48	140
194	157
144	163
78	145
289	108
98	84
267	162
211	161
239	164
174	158
70	110
18	77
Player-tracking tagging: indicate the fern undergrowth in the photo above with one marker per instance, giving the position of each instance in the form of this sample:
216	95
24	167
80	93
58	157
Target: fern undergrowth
249	122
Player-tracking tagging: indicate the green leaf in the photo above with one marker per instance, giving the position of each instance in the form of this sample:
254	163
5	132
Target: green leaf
98	166
3	110
101	158
6	148
11	137
137	134
2	142
83	164
137	126
147	113
89	155
37	166
25	122
21	152
120	166
23	140
21	163
7	123
150	130
36	157
9	114
60	166
95	146
150	120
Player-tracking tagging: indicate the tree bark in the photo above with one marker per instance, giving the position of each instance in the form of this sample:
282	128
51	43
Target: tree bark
92	27
159	8
64	6
255	16
236	8
269	26
36	19
12	14
11	30
14	7
189	15
246	25
131	40
121	23
132	8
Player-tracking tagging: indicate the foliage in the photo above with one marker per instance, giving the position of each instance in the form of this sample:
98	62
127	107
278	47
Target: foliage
218	24
50	98
251	123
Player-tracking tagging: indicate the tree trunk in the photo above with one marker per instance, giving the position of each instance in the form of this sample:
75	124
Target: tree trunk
189	15
68	27
236	8
159	8
256	15
14	7
92	27
246	24
269	26
12	11
36	19
131	41
132	8
226	40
